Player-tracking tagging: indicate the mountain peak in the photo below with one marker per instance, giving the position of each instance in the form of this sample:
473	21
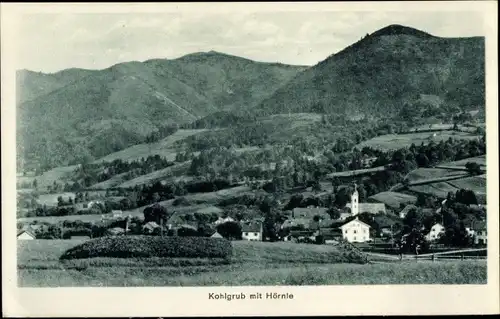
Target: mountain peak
397	29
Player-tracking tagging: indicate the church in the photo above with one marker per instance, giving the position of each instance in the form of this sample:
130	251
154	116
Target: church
356	207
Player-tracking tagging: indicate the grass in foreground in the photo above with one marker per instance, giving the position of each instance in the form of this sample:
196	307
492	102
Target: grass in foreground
421	272
253	263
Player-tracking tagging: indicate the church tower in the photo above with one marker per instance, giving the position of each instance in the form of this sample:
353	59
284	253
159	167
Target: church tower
355	202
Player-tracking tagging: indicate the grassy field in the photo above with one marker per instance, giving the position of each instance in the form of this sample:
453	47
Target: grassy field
394	199
58	174
51	199
439	190
356	172
254	263
422	174
481	160
175	172
164	148
477	184
396	141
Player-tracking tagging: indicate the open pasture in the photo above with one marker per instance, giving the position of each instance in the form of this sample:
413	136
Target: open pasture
396	141
165	148
424	174
58	174
393	199
475	183
172	172
51	199
440	189
481	160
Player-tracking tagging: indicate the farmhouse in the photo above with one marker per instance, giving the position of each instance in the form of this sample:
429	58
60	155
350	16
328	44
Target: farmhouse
481	235
356	231
251	231
436	230
371	208
26	234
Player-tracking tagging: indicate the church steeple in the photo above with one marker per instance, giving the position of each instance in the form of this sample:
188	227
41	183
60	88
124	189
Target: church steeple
355	201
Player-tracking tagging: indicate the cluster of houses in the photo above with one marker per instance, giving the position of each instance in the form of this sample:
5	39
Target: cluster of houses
303	225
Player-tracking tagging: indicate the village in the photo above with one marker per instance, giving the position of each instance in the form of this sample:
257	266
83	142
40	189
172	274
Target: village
312	224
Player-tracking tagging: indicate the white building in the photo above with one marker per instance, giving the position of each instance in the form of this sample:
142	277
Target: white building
251	231
356	231
480	233
435	232
25	235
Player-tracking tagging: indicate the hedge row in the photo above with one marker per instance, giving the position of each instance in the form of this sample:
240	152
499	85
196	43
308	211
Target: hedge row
151	246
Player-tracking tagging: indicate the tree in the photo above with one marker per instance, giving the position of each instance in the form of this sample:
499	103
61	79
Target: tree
60	201
473	168
229	230
413	240
156	213
342	197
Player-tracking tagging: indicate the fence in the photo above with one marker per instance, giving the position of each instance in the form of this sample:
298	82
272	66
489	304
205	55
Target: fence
463	254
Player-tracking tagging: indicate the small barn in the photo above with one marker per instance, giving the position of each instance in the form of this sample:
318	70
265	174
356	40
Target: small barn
26	234
216	235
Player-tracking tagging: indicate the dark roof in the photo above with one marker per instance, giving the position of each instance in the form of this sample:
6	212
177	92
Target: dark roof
27	231
480	225
310	212
372	208
296	233
251	227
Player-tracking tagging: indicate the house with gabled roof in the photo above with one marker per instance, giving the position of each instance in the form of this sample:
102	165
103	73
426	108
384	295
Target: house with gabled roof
26	234
480	233
355	231
251	231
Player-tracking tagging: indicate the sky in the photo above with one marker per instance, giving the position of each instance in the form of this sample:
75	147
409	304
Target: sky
52	42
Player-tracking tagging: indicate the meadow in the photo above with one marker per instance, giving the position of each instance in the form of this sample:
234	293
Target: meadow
165	148
481	160
428	174
395	141
394	199
58	174
254	263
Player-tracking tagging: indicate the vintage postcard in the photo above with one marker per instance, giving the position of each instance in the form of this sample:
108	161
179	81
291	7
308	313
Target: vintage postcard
250	159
